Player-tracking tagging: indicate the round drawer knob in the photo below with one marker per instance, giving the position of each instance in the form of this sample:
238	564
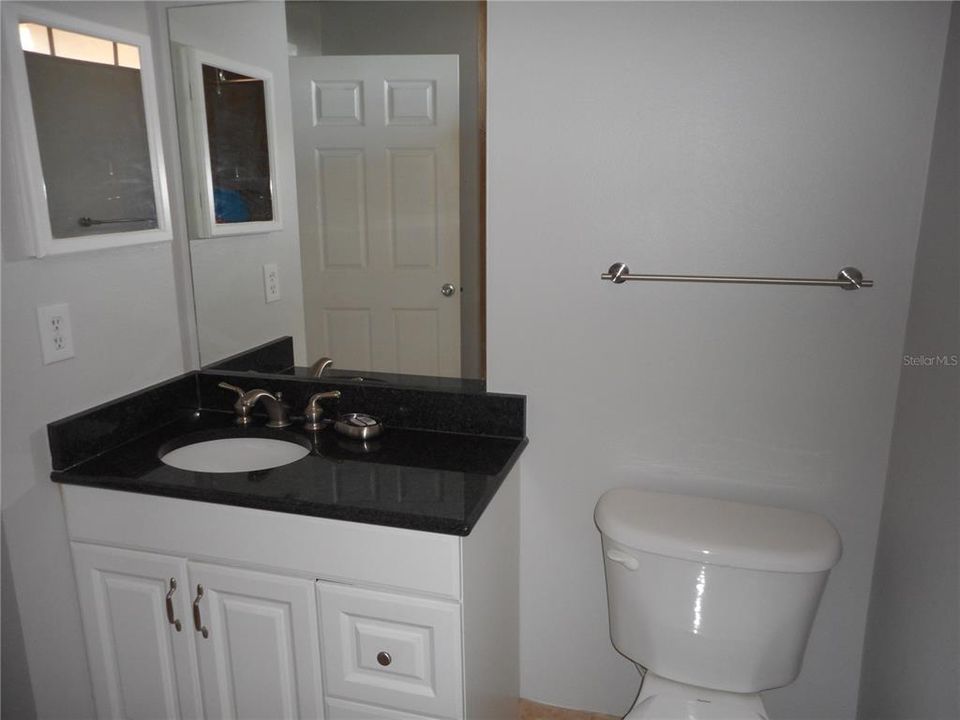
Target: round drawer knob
384	658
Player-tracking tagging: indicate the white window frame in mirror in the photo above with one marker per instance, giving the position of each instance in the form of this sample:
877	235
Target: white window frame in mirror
21	143
195	143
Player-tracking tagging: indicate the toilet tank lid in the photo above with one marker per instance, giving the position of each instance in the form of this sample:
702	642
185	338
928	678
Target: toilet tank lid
718	532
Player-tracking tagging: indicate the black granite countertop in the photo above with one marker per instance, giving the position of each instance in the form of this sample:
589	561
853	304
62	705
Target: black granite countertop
415	479
440	460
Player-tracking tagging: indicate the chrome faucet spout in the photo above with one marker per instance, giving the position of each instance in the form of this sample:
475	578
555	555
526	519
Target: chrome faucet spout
277	411
316	370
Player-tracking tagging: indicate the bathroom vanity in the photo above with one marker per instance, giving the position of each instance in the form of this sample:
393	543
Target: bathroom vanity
373	580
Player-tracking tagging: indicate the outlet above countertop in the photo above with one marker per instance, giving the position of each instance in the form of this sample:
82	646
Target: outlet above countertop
436	467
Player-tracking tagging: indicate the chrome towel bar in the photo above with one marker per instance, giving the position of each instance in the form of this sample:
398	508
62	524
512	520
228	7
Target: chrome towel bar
88	222
849	278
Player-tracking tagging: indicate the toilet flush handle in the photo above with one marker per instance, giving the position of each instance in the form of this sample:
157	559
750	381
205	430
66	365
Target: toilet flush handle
628	561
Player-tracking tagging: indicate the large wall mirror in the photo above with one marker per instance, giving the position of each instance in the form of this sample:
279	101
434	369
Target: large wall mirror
83	133
377	260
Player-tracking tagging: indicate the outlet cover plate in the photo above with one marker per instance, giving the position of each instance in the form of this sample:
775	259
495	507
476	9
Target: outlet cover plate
56	335
271	282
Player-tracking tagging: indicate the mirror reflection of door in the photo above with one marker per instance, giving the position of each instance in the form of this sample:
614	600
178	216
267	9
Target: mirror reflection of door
377	148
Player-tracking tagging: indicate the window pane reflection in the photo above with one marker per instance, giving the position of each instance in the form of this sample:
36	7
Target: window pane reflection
128	56
43	40
34	38
75	46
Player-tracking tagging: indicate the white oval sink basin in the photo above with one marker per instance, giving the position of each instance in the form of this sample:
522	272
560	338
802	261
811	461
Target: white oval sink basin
228	455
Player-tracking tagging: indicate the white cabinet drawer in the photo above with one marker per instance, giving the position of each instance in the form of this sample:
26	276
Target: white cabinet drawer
392	650
278	542
346	710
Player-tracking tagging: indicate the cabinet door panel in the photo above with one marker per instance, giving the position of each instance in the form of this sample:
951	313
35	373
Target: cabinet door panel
391	649
141	666
261	658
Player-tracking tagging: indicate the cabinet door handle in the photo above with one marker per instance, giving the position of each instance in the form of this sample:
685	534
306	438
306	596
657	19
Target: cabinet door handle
171	617
197	620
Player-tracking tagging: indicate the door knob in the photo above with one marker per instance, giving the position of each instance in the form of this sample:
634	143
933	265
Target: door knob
447	289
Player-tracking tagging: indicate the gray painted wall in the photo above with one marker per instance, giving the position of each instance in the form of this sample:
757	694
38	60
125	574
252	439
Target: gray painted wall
16	698
126	332
782	138
911	658
416	28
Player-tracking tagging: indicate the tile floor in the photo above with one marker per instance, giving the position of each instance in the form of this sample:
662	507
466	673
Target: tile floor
530	710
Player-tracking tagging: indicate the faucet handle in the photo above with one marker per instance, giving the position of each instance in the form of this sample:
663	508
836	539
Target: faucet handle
228	386
313	414
317	397
244	410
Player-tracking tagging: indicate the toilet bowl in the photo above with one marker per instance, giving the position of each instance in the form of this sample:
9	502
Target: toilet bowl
713	599
662	699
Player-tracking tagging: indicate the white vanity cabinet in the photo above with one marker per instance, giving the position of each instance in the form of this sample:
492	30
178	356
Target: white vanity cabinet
192	609
257	646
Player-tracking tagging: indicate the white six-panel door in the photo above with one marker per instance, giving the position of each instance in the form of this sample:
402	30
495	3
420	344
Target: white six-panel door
377	153
141	665
261	656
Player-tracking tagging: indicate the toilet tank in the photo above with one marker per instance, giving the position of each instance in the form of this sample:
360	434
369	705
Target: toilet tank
710	592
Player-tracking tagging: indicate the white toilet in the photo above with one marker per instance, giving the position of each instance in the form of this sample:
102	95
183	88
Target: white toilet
714	599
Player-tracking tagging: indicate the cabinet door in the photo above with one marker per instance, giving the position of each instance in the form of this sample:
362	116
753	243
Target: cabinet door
261	654
142	666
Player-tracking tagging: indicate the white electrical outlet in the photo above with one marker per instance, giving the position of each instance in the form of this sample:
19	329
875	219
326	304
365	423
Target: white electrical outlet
271	282
56	337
